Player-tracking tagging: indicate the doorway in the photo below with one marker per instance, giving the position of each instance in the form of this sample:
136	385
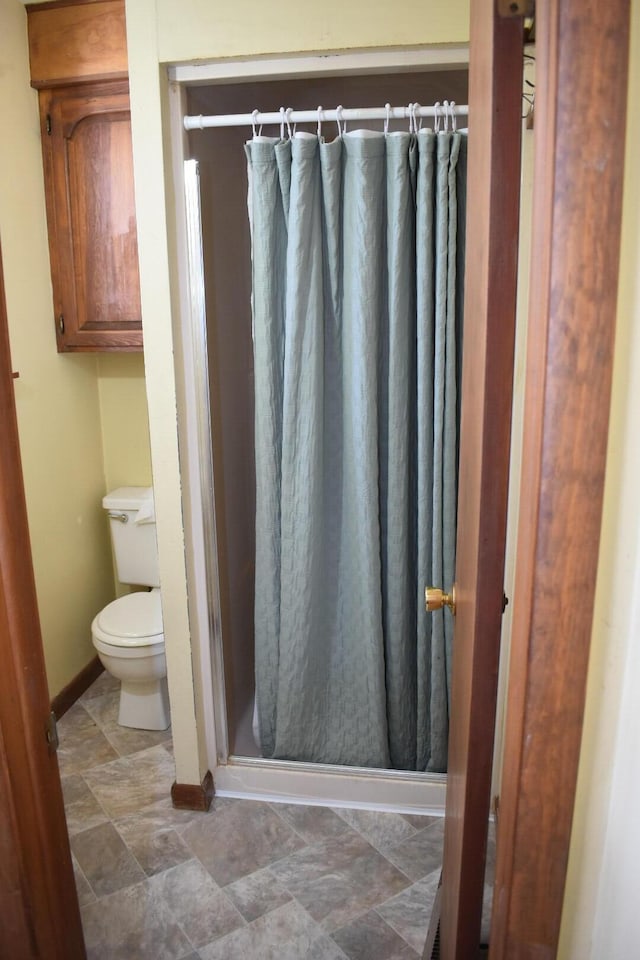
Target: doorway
551	844
227	378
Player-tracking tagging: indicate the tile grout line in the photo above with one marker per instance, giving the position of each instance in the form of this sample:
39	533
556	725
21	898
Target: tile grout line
372	907
79	868
307	845
394	928
353	830
360	916
94	797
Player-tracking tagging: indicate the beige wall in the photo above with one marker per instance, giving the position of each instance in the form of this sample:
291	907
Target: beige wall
56	396
201	30
124	420
125	427
68	405
167	31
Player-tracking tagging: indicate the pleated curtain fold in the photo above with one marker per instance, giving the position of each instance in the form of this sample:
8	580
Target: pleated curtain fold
357	248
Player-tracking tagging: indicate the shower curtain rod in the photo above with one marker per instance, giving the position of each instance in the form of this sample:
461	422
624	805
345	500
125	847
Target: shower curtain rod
442	112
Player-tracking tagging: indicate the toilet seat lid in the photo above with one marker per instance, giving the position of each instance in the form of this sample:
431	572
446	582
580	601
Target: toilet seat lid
132	617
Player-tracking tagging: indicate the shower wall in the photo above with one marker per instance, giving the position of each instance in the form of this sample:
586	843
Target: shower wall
227	258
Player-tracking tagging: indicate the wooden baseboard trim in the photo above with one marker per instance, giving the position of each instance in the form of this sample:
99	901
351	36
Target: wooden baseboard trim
74	690
193	796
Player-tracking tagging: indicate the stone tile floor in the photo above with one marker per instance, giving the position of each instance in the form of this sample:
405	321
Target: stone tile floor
245	880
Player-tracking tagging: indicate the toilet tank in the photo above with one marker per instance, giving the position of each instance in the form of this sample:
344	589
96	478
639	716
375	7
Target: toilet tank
133	534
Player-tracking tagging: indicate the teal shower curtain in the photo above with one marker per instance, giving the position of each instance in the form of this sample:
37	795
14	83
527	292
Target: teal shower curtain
357	255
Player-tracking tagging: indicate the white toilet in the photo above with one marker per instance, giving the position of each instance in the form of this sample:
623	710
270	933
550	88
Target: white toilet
128	633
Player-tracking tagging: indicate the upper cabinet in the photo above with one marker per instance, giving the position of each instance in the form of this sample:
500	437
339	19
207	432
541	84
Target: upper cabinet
86	140
75	42
78	62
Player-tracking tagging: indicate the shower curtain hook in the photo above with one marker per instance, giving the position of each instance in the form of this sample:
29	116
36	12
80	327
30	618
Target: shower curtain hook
288	114
436	117
319	123
410	113
454	119
417	121
339	119
387	108
282	122
254	120
445	109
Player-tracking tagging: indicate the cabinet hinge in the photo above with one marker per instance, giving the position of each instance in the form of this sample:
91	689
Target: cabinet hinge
51	731
516	8
47	123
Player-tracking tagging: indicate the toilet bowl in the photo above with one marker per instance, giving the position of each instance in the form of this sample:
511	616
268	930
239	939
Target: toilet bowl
129	640
128	634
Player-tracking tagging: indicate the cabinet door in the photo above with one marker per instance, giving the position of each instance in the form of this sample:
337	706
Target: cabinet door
86	136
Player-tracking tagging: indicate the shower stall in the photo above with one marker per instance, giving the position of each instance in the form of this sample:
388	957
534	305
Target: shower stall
220	270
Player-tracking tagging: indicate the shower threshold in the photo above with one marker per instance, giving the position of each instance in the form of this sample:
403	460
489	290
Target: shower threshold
320	784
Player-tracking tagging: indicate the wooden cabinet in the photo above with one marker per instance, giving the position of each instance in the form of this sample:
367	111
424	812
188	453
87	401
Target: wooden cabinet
86	141
78	63
73	42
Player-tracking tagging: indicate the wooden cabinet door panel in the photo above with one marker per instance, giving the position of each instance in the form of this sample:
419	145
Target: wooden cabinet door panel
91	211
103	227
77	42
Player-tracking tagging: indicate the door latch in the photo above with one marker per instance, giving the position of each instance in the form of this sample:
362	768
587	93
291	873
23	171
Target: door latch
51	731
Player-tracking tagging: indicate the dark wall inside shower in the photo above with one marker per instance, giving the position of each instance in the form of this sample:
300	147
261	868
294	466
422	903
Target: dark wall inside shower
227	258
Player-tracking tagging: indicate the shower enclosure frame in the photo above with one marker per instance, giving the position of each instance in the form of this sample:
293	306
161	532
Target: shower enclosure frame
258	778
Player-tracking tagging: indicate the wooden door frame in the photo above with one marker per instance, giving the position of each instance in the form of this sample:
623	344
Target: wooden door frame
490	285
576	223
39	913
581	77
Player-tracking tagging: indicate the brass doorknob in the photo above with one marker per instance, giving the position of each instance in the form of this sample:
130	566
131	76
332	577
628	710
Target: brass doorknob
436	599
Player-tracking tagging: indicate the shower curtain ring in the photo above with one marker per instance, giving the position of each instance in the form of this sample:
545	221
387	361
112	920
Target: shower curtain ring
387	108
254	120
436	117
417	121
454	119
339	119
289	111
319	123
282	122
